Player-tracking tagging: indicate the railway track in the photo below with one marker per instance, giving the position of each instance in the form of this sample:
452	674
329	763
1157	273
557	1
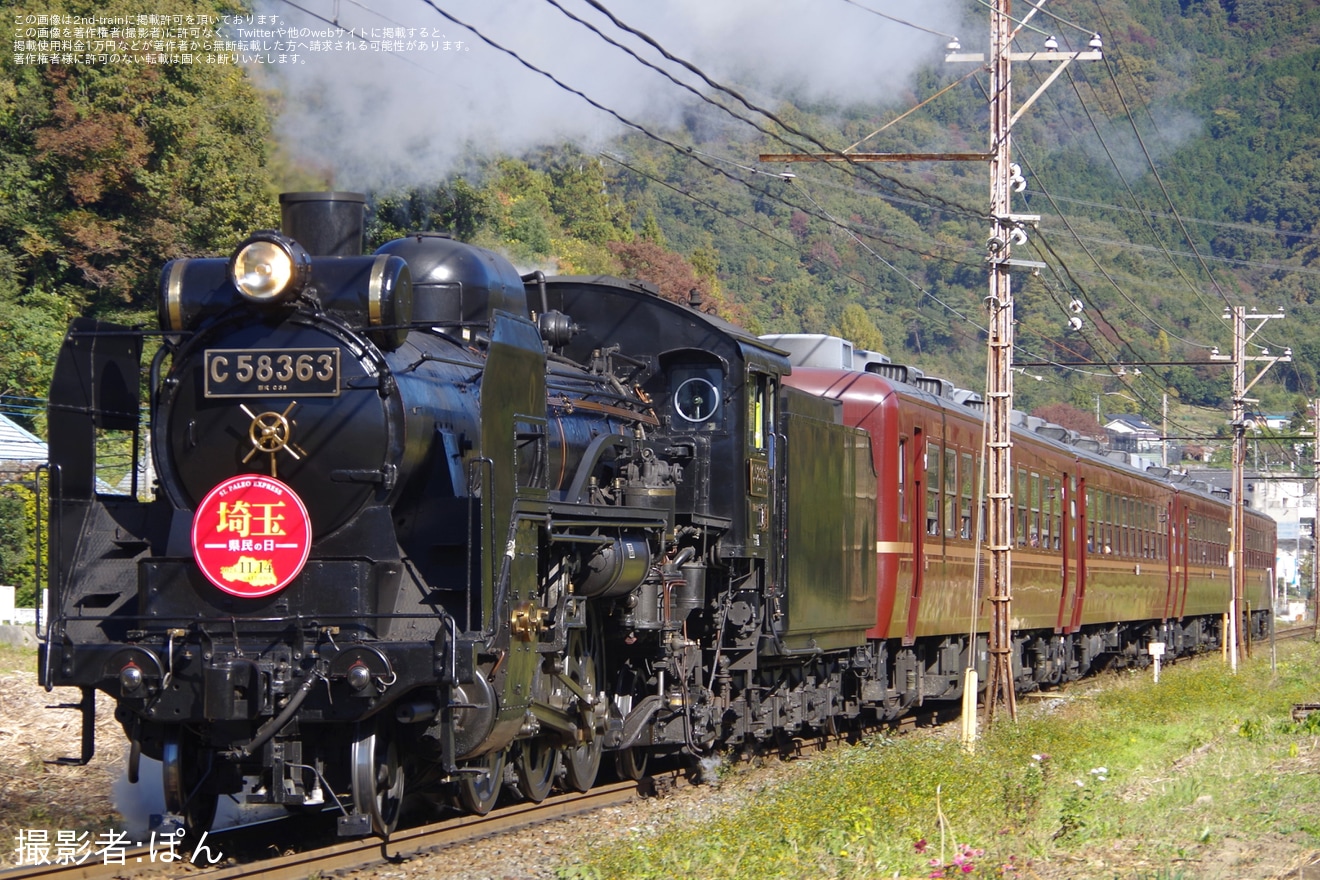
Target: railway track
366	852
359	853
242	847
1294	632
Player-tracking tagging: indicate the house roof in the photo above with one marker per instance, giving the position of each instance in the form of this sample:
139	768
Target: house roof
1129	423
19	444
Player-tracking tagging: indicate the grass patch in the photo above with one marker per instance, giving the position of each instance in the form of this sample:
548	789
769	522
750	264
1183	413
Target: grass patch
14	658
1201	773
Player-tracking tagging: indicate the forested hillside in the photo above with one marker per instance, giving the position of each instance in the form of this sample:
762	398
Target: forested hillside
106	172
1173	178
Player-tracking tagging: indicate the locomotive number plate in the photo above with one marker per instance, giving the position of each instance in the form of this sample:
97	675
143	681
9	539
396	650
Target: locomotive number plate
256	372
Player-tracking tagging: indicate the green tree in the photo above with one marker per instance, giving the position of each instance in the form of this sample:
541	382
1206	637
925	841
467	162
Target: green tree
581	200
522	219
856	326
651	230
108	171
17	549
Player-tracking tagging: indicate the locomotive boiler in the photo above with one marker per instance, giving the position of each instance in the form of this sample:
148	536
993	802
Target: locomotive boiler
425	528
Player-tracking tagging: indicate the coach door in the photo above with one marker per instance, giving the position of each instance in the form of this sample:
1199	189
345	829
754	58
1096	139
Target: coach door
1179	525
1073	587
922	518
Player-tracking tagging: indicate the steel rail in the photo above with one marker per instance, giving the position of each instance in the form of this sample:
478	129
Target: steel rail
344	855
372	850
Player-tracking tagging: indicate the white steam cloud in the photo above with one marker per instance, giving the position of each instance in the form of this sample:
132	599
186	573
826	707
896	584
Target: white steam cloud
423	92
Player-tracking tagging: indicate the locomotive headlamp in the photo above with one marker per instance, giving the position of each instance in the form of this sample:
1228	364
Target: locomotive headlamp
270	268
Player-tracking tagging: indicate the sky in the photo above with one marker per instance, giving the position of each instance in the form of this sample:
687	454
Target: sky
407	106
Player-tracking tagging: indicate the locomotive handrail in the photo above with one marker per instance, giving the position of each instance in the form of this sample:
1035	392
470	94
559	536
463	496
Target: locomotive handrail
565	538
498	608
53	592
475	466
44	467
645	418
428	358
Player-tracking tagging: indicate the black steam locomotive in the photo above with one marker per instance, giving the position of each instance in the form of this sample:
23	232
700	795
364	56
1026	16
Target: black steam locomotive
423	525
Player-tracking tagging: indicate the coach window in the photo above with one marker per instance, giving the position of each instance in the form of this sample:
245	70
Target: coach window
1096	504
1104	540
1023	504
1033	526
1158	531
1139	529
1090	521
1134	526
932	488
933	455
1056	512
1162	515
902	480
1153	525
951	492
965	496
1116	524
1121	525
1150	530
1046	511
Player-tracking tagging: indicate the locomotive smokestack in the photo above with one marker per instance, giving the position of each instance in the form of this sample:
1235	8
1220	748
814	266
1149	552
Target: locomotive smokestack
327	224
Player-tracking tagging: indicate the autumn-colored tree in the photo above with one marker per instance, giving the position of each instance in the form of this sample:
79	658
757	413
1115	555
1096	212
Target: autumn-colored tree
648	261
1068	416
677	277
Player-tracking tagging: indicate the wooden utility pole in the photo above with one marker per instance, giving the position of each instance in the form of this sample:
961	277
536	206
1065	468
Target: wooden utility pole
999	392
1237	548
1006	229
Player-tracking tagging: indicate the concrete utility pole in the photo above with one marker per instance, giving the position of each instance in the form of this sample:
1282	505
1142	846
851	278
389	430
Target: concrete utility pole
1164	432
1241	336
1315	523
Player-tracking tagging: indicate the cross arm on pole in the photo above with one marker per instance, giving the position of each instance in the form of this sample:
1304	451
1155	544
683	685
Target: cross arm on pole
874	157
